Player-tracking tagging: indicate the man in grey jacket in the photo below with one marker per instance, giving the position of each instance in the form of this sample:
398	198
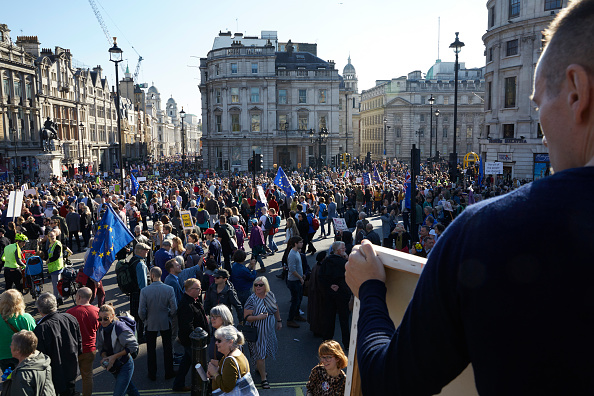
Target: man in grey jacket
157	308
73	223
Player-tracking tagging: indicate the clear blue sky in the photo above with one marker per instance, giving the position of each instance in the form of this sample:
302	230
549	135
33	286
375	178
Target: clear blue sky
385	39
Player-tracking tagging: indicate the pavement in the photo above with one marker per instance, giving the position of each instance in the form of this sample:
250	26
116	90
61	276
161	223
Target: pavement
297	351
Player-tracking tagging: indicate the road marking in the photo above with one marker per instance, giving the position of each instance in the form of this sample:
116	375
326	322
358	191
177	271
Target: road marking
298	391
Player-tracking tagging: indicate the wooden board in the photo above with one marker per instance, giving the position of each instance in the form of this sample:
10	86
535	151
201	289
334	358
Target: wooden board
402	274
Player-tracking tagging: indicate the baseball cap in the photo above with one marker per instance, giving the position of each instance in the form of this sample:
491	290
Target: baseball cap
209	231
221	272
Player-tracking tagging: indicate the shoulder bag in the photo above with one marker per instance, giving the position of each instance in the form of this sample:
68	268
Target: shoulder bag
243	387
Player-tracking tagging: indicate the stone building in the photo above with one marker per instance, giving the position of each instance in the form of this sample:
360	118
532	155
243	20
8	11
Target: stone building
397	113
19	107
258	99
350	100
513	45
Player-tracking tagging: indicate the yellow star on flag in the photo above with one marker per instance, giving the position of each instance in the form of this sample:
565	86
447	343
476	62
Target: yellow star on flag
93	252
100	255
110	229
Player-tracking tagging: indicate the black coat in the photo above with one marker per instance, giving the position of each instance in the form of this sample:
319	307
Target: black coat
190	315
59	338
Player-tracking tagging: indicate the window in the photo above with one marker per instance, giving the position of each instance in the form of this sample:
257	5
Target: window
234	95
510	92
303	122
553	5
235	127
398	132
255	95
254	68
492	16
255	122
489	94
322	122
446	100
508	131
17	88
218	95
514	8
218	121
217	70
302	96
445	132
422	100
488	130
282	96
468	132
539	133
28	89
511	48
422	117
233	68
282	122
397	149
490	55
322	96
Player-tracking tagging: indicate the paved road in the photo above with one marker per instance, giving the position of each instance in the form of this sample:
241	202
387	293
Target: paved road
297	353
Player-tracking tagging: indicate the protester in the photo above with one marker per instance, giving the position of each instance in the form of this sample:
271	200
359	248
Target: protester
14	319
327	378
33	374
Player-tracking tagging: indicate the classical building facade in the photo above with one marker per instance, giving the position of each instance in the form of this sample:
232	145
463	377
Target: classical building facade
258	99
513	45
19	108
396	114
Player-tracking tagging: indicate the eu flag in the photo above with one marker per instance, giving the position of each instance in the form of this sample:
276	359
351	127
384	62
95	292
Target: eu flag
282	181
376	175
112	235
135	185
366	179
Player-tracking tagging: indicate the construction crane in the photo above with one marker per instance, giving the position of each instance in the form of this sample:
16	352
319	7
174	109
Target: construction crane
109	38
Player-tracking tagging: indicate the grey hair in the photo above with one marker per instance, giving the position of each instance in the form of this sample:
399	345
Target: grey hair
223	312
230	333
46	303
337	245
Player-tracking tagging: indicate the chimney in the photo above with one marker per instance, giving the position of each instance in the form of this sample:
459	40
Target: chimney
46	52
30	44
98	70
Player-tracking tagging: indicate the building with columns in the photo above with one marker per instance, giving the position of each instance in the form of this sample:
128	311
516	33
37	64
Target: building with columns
397	113
513	45
19	107
256	98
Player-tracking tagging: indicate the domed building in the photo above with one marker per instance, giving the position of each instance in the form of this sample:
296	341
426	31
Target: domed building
350	77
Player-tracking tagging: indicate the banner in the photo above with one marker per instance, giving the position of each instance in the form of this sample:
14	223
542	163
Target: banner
340	224
187	220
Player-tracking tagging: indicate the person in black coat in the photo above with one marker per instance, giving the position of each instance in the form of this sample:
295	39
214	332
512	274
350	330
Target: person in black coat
190	316
59	338
303	227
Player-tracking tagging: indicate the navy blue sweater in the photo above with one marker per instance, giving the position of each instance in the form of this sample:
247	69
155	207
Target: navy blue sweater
507	288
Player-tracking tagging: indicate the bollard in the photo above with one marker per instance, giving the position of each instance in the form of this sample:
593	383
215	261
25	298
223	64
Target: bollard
200	341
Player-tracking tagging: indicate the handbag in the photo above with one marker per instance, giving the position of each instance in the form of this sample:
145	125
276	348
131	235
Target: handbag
243	387
250	333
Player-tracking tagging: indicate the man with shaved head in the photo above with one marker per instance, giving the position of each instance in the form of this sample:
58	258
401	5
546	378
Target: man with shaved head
87	316
517	304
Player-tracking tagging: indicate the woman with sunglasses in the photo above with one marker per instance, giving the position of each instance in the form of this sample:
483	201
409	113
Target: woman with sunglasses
261	309
327	378
233	369
115	343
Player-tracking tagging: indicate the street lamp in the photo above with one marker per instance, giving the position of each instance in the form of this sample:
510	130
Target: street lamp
457	47
322	137
15	168
182	115
81	136
436	151
287	155
115	55
431	100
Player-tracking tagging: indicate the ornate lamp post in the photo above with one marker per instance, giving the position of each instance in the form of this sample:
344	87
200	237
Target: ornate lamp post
81	136
457	47
115	55
436	151
182	115
322	137
431	100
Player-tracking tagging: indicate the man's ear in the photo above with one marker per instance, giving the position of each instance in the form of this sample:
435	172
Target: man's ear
580	86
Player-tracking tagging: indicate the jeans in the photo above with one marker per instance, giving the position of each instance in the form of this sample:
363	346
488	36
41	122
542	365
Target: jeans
55	278
272	244
151	351
185	365
337	303
322	224
124	384
296	289
330	224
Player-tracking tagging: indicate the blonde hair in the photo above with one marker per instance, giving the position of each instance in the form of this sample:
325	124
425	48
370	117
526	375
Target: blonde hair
109	309
180	246
263	280
291	224
333	348
12	304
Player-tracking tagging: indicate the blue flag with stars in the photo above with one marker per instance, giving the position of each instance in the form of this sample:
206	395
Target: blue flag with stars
376	175
135	185
366	179
282	181
112	235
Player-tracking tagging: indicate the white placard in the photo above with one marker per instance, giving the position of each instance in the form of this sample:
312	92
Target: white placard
340	224
493	168
359	180
30	191
15	204
262	195
141	178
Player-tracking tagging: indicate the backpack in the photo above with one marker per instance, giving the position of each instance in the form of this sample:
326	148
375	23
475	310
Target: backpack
315	223
200	217
66	284
126	276
268	225
276	221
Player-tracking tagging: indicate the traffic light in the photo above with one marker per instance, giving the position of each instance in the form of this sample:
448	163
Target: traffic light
259	162
416	160
333	161
251	165
368	158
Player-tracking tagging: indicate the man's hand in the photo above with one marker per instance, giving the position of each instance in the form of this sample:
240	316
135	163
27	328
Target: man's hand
363	265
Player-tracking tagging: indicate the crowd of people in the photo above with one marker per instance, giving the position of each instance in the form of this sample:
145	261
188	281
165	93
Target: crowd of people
183	278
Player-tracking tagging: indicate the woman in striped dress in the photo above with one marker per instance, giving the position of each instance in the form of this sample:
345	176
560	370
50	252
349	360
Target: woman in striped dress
261	309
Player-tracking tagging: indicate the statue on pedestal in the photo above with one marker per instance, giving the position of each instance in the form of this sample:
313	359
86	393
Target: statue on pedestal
48	134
